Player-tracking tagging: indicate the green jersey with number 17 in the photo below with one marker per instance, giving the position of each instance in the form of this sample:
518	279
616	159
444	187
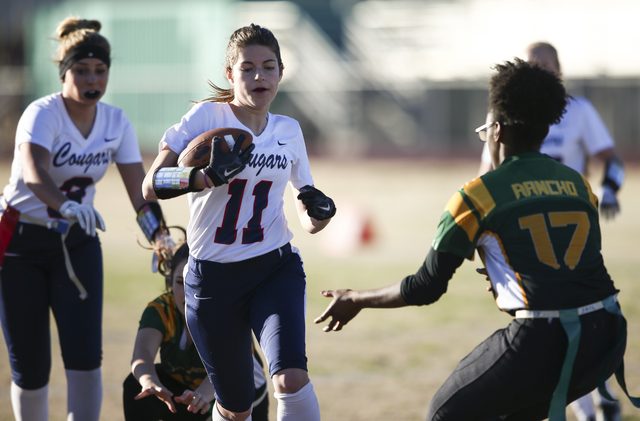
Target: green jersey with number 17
534	222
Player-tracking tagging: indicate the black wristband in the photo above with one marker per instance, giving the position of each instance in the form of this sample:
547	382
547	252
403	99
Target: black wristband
613	174
217	181
150	219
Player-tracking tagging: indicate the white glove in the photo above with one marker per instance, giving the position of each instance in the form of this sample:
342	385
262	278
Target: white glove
88	218
609	205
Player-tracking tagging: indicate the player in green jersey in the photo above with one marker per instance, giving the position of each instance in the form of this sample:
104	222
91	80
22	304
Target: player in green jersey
535	225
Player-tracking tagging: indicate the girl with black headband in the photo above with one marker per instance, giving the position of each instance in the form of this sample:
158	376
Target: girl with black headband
50	254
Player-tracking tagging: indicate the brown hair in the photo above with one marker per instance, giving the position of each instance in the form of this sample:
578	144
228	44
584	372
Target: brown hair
241	38
74	31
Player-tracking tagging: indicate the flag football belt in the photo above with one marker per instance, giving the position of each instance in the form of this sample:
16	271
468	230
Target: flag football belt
570	320
8	223
554	314
58	226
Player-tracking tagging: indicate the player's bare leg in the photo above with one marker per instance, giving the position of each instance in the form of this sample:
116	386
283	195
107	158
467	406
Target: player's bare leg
221	414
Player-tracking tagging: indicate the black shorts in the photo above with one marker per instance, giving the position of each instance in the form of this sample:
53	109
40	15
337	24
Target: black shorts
515	371
34	281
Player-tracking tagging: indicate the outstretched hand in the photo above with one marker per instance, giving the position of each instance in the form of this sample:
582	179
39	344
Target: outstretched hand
161	393
341	310
195	400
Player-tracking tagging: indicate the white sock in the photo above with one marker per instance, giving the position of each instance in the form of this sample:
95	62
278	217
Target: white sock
30	405
84	395
299	406
583	408
217	416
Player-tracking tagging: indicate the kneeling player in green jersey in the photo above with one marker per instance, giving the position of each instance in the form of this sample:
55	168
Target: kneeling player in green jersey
535	225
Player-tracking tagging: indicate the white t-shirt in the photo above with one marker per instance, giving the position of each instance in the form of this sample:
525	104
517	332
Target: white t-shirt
77	163
580	133
244	218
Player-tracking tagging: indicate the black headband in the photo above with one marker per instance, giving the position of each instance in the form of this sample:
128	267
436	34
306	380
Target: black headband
83	51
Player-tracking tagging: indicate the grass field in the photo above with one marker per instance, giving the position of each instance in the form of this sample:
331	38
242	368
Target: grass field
386	364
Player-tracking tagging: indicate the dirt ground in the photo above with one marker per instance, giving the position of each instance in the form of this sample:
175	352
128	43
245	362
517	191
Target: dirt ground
386	364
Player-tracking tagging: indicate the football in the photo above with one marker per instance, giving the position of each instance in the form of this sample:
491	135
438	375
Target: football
198	151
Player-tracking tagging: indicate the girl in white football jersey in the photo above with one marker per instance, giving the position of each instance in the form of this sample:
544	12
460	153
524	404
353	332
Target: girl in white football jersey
50	254
580	135
243	274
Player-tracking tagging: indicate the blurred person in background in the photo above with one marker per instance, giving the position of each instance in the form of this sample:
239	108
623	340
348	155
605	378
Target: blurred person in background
568	333
579	136
50	253
179	381
243	272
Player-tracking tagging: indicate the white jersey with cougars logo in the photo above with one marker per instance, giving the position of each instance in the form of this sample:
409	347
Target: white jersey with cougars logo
244	218
77	163
580	134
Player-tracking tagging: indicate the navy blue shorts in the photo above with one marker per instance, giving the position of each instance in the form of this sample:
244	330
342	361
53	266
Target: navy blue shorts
33	280
226	301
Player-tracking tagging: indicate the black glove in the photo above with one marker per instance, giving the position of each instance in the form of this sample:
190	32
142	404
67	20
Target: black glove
609	206
223	167
319	206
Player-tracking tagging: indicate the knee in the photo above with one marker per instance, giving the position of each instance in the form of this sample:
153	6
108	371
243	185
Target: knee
290	380
228	415
31	381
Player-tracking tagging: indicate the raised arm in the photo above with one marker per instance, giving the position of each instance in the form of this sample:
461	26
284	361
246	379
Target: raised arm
424	287
347	304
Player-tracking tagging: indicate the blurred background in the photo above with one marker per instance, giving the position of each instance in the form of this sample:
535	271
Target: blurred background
368	78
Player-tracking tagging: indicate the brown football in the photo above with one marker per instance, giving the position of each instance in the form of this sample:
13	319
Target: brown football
198	151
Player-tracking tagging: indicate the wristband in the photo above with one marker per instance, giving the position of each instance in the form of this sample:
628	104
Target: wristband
174	181
150	219
204	177
614	174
